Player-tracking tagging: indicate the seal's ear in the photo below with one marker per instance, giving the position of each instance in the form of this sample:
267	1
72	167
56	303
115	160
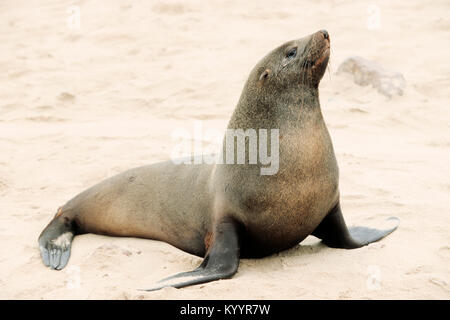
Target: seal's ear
263	77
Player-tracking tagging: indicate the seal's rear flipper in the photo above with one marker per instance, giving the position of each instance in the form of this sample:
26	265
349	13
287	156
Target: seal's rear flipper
221	260
334	232
55	242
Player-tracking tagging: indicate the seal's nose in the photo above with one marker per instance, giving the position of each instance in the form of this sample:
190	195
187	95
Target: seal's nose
325	34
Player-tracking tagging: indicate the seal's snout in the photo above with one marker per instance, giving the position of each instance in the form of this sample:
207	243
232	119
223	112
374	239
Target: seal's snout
325	34
317	54
320	44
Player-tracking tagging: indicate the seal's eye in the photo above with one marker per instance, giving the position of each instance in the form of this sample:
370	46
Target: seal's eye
292	53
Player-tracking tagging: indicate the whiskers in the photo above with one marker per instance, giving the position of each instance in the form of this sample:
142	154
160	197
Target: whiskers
303	78
304	68
329	67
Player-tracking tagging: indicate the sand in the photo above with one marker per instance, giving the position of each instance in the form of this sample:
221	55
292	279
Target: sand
81	103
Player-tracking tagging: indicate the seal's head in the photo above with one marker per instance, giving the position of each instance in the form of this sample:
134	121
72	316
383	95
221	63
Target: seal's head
297	63
287	76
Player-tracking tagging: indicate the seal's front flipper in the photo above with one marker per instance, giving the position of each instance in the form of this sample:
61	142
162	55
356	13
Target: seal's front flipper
334	232
55	242
221	260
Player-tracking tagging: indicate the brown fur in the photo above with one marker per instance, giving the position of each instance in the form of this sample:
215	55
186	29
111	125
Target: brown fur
182	204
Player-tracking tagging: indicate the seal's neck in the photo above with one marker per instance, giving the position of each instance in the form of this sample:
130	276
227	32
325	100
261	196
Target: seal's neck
276	110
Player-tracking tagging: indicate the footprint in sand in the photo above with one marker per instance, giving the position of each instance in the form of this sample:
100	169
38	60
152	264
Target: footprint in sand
9	107
18	74
418	269
357	110
440	283
112	249
44	108
45	119
3	185
171	8
66	97
444	252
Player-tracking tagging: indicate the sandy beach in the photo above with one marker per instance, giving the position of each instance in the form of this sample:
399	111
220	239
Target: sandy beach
90	90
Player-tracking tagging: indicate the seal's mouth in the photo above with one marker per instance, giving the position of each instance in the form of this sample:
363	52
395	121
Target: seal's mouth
323	58
315	59
319	52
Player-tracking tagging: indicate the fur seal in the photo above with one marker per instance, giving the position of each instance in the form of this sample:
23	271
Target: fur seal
226	212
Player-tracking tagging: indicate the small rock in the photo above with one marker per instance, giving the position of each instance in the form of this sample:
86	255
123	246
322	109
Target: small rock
365	72
127	252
